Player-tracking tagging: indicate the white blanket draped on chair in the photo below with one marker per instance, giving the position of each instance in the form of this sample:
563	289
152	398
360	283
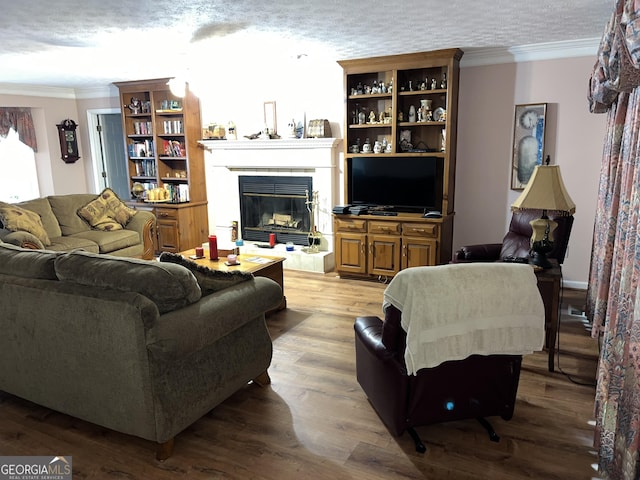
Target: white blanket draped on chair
452	311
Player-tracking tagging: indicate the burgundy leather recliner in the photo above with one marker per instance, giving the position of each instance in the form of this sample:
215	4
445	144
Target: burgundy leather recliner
516	243
473	388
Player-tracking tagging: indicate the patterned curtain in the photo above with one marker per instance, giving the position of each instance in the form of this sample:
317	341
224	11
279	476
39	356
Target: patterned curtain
613	302
20	120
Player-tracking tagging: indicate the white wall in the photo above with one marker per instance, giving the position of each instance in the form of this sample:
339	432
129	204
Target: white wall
302	88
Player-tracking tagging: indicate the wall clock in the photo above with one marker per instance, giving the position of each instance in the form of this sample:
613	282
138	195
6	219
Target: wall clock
529	119
68	141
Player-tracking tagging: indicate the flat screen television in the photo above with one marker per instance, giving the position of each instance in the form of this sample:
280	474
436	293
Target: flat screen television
401	184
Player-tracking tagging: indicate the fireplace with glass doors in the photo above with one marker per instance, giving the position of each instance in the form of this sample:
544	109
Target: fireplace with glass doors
275	204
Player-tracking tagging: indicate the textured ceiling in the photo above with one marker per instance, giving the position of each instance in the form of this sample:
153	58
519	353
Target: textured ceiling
91	43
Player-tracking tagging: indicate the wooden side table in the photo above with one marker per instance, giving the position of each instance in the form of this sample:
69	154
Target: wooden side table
549	284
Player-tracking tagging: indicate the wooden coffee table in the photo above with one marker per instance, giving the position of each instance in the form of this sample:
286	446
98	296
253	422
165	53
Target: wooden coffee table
258	265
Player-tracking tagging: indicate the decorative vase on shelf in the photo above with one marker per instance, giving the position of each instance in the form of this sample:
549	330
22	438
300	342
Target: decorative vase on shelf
412	113
377	147
425	111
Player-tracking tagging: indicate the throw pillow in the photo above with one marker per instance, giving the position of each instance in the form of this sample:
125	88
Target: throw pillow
107	212
210	281
19	219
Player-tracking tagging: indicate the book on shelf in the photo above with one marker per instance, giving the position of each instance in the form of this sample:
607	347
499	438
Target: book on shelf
145	168
142	128
141	149
172	126
173	148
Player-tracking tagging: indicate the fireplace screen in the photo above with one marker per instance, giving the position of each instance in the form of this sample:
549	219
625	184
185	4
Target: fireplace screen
275	205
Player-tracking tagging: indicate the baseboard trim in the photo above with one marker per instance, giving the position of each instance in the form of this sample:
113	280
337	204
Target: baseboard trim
574	284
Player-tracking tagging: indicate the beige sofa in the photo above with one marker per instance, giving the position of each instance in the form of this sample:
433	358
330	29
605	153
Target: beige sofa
66	230
142	347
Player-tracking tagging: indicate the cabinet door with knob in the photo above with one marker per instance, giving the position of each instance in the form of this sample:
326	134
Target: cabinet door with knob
351	252
384	247
351	244
418	252
419	244
384	255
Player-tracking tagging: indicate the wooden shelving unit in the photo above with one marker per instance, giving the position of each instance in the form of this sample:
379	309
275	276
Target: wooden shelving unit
161	134
388	86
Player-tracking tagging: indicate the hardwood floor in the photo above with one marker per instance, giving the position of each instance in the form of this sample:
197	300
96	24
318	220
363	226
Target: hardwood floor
314	421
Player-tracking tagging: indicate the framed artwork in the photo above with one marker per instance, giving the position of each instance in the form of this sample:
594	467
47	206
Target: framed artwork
528	142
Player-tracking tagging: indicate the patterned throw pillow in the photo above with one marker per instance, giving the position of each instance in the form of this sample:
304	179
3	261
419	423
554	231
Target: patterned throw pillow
107	212
19	219
209	280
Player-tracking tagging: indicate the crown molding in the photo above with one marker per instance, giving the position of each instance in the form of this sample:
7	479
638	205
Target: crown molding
528	53
58	92
97	92
37	91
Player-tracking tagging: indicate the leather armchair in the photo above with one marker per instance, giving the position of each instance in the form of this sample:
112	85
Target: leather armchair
516	243
476	387
450	346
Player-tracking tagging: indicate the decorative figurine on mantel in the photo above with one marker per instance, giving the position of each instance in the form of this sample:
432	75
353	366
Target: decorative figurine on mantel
434	83
292	125
443	84
372	117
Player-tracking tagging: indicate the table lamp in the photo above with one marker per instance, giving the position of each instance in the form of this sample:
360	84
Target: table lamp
545	191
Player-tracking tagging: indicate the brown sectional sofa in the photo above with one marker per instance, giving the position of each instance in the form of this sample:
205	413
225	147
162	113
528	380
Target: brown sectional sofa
67	230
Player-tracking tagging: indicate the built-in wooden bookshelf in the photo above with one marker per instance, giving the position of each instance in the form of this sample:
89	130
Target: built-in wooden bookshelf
404	109
161	133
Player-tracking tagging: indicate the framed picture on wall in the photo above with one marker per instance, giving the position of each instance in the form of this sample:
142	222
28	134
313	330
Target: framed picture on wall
528	142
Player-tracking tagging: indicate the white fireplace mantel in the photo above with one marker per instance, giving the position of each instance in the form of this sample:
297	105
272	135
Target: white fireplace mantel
226	160
272	146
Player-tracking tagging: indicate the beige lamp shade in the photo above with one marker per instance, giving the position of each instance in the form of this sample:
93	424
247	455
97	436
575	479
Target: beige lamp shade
545	191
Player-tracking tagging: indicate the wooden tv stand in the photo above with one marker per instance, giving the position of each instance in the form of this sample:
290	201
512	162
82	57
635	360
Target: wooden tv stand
375	245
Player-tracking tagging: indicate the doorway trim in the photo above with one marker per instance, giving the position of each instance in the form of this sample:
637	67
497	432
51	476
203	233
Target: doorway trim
94	144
